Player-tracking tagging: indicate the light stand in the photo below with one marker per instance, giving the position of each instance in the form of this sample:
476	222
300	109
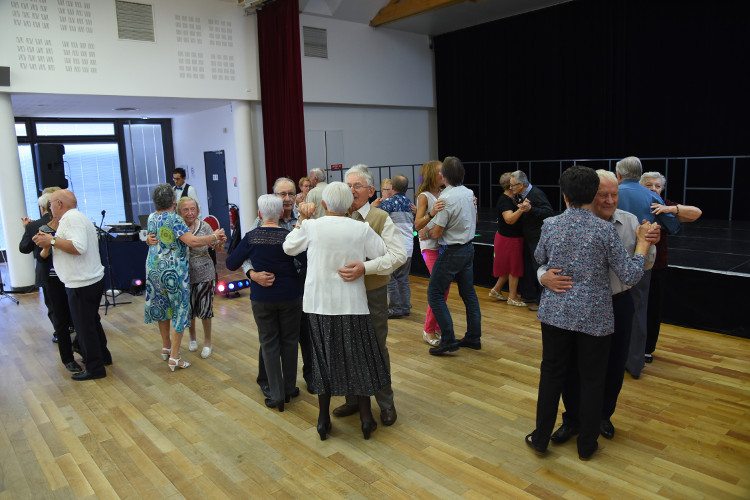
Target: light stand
106	236
4	295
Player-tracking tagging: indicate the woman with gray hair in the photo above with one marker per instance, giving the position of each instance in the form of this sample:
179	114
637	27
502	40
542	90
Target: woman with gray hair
167	283
346	357
656	182
277	308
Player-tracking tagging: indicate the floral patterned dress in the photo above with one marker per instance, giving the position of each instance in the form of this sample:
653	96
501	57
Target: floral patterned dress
167	272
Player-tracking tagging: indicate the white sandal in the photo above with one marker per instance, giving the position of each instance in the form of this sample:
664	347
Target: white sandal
177	364
432	342
496	295
165	352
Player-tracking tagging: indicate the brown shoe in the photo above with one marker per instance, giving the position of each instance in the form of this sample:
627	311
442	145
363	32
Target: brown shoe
388	415
345	410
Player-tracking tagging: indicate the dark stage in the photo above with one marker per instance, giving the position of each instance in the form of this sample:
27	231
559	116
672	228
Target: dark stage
707	280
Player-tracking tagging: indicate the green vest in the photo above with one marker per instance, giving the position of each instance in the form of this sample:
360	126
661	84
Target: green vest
376	218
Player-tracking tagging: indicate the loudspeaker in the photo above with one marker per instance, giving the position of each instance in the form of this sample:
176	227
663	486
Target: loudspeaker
49	165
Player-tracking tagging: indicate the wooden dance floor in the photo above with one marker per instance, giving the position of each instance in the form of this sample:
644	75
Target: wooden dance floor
683	429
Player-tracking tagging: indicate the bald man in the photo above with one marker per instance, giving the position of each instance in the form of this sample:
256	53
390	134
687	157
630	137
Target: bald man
78	265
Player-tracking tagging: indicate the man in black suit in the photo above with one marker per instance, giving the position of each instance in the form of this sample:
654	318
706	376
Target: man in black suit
531	226
55	298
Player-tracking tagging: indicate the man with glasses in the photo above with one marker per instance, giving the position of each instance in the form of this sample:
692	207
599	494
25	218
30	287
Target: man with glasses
531	227
182	188
377	274
285	189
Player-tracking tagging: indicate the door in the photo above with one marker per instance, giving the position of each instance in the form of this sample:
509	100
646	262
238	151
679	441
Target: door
216	187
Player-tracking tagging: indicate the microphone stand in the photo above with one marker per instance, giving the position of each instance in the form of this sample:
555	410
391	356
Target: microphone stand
106	236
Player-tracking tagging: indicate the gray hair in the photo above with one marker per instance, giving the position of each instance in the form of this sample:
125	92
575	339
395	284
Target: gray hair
270	207
284	179
338	197
654	175
317	173
606	175
362	171
520	176
163	196
629	168
184	200
43	201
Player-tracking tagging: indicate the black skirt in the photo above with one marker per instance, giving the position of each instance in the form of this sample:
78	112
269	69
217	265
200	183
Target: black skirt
346	359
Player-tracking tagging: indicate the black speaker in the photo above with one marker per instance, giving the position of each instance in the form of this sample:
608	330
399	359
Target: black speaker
49	165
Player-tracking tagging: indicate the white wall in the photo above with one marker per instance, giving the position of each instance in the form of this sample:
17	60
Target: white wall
368	66
75	50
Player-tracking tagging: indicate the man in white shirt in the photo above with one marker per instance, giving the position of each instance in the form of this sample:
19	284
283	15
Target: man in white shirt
377	273
79	267
454	227
182	188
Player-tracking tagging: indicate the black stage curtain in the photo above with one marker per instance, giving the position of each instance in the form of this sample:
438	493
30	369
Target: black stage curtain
600	79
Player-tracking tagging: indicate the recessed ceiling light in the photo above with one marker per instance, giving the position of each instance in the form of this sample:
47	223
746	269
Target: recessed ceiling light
125	109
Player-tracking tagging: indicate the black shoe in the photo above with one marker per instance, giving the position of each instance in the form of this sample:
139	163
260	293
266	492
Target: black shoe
564	433
324	428
87	375
72	366
588	455
368	427
291	395
537	449
395	316
388	416
649	358
606	429
444	347
636	377
476	345
266	389
275	404
345	410
54	338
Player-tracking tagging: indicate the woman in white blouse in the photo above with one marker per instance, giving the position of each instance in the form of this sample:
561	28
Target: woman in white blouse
346	357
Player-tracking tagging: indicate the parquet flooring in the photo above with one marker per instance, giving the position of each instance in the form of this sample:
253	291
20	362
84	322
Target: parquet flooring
683	429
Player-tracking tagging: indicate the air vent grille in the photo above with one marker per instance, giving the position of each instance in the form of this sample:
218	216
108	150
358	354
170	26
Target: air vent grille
135	21
316	42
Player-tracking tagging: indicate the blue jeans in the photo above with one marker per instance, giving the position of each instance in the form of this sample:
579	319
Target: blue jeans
455	263
399	293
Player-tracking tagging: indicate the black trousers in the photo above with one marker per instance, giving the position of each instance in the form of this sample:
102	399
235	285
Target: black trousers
84	309
560	349
653	316
54	290
305	348
278	331
622	305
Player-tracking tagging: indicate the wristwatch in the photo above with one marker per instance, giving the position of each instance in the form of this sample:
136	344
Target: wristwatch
52	243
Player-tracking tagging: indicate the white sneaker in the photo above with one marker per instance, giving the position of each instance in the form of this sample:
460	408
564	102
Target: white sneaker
193	346
206	352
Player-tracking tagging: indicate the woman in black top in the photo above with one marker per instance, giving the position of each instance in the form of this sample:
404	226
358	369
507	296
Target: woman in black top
508	263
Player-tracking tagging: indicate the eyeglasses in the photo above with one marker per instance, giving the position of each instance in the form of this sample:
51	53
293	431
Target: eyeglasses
285	195
357	187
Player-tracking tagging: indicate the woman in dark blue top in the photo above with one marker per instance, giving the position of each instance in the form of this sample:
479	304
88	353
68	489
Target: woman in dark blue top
277	308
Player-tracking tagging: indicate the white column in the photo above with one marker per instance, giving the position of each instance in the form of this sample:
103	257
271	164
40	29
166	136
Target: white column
243	138
12	202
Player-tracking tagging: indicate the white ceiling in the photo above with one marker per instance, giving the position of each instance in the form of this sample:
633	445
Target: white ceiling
463	15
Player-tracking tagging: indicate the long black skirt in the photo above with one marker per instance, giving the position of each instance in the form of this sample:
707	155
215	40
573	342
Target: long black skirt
346	359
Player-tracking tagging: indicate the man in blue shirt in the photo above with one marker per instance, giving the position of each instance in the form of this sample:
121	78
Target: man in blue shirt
637	200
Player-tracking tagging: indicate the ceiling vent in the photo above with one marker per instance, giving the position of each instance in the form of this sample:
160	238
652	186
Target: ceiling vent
135	21
315	42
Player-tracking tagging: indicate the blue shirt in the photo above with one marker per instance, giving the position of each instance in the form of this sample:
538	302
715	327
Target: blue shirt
585	247
637	200
398	207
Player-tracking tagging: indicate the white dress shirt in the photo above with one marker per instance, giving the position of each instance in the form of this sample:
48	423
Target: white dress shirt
394	244
191	192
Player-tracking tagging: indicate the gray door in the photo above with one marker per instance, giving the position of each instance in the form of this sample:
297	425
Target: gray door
216	187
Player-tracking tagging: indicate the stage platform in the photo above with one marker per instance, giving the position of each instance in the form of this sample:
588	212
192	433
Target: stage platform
708	276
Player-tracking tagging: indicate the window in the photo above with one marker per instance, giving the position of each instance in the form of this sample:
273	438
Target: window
68	129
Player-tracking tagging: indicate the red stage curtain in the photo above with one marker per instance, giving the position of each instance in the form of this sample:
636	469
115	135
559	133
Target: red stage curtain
281	90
